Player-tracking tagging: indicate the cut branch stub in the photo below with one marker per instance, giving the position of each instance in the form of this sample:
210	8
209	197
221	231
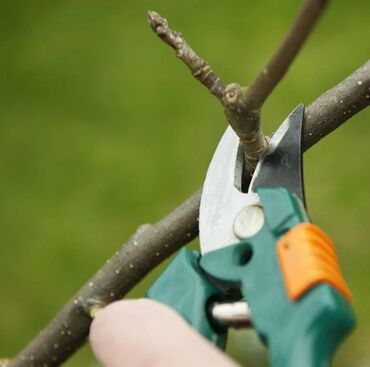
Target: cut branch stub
246	122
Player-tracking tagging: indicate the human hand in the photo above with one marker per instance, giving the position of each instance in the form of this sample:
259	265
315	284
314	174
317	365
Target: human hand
145	333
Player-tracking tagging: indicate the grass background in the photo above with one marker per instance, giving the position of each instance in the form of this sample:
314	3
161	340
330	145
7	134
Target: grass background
101	129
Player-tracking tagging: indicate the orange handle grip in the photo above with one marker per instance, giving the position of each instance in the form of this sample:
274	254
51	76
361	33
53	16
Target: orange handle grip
307	257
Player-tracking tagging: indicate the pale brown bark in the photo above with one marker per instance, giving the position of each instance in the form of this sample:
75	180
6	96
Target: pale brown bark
200	69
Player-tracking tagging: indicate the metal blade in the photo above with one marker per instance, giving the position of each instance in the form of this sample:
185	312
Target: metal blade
222	199
281	166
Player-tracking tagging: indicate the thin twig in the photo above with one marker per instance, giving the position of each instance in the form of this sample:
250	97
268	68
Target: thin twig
275	69
198	66
153	243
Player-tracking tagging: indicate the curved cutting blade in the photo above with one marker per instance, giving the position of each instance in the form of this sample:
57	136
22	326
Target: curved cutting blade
221	198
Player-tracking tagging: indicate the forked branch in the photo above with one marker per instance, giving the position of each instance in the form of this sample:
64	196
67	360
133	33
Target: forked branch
242	105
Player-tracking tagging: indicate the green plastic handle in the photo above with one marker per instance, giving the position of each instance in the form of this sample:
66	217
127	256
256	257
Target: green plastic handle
311	336
304	332
184	287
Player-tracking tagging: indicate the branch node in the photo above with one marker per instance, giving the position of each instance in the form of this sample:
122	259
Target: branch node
140	231
93	305
246	123
233	97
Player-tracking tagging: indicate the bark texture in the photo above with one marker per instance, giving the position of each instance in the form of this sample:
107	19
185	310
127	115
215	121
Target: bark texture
337	105
199	68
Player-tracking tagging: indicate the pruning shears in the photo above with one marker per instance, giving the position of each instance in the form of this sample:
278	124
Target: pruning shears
262	258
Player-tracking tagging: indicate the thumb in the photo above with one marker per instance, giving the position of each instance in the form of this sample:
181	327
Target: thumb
144	333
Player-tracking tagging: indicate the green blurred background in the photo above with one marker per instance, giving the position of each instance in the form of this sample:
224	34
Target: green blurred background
102	129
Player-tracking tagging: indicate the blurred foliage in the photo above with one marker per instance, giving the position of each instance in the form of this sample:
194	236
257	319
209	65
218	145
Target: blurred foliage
102	129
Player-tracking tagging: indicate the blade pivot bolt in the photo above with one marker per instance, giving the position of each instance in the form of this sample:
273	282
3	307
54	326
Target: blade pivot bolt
249	221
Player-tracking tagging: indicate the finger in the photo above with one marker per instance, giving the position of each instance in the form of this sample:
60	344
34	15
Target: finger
144	333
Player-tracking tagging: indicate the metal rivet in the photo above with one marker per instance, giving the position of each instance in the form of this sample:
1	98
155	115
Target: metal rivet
249	221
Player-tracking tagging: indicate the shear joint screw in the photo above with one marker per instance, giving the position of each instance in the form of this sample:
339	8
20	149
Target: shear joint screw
249	221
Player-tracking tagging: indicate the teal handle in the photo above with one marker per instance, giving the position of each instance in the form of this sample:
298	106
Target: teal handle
318	324
304	332
184	287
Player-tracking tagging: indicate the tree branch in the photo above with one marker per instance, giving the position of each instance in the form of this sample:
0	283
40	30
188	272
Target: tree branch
275	69
153	243
149	246
337	105
242	105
